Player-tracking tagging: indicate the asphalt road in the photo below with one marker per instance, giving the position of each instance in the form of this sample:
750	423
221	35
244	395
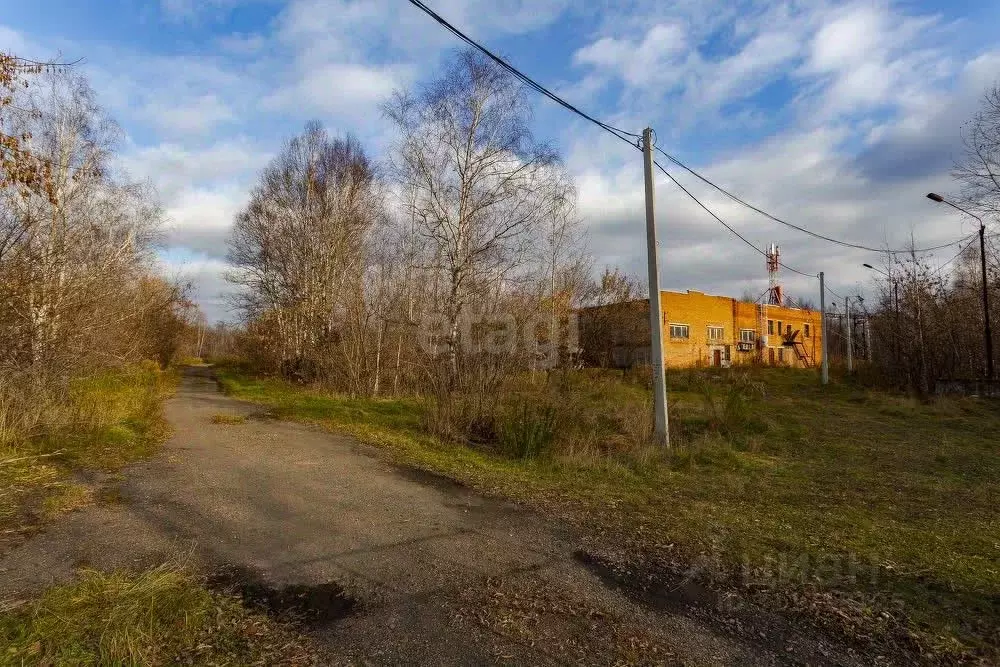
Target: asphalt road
441	575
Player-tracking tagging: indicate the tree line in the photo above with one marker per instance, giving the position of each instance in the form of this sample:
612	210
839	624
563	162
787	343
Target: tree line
79	290
459	261
442	271
928	321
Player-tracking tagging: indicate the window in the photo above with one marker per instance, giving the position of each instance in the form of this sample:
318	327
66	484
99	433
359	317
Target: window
716	333
748	335
805	331
770	326
680	331
788	329
781	355
781	327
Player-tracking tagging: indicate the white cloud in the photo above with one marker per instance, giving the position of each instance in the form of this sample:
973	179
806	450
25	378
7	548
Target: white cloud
14	42
634	61
849	40
200	219
341	89
173	168
191	117
210	290
659	52
241	44
742	74
202	188
865	56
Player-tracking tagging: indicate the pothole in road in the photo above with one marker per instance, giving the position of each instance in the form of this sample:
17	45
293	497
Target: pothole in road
667	590
314	606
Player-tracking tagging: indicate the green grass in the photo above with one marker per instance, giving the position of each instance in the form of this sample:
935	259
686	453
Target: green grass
801	486
160	616
103	423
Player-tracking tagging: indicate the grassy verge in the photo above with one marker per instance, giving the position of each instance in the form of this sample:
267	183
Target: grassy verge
161	616
165	615
102	423
882	504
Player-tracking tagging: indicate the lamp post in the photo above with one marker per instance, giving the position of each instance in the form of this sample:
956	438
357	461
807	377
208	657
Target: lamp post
986	298
895	287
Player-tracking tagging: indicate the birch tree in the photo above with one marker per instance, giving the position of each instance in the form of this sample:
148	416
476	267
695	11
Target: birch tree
82	242
301	248
478	187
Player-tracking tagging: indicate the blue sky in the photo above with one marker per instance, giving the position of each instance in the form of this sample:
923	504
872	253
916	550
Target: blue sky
839	116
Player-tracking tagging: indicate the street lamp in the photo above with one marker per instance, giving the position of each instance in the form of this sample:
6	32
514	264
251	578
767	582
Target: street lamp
869	266
986	299
895	286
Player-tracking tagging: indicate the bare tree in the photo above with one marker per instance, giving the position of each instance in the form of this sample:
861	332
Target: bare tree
978	170
78	293
81	243
478	188
302	248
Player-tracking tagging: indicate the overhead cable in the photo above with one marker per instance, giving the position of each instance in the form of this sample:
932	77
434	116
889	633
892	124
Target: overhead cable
799	228
524	78
725	224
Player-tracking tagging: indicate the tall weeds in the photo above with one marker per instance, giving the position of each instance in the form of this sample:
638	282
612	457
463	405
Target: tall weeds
98	422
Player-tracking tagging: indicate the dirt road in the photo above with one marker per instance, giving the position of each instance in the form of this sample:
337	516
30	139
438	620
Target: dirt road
435	573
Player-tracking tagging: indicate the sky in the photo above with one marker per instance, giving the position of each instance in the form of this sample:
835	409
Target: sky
837	116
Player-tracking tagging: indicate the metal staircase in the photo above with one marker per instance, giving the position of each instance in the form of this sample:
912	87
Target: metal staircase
793	341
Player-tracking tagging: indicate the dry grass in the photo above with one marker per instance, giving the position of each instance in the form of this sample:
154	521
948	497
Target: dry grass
101	422
229	419
566	626
66	497
161	616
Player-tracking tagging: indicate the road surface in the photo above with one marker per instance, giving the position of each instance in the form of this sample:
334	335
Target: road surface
440	574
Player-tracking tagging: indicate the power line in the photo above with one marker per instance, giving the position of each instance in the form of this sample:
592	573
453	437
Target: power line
528	81
764	213
960	251
723	222
623	134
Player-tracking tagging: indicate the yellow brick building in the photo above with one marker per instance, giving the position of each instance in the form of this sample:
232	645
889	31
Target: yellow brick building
704	330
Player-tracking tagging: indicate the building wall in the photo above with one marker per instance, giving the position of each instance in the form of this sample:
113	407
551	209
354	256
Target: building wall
698	312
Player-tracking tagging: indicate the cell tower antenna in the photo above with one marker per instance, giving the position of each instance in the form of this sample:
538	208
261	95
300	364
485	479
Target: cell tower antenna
774	295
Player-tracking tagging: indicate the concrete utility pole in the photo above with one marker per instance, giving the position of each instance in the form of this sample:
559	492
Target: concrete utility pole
661	430
825	366
986	303
868	339
850	335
